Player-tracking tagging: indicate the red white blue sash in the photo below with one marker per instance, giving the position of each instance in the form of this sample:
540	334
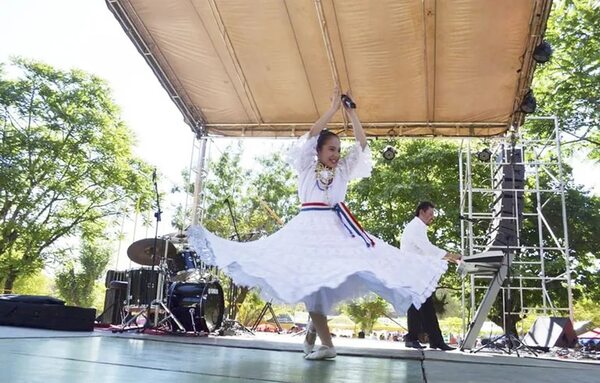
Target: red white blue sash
348	220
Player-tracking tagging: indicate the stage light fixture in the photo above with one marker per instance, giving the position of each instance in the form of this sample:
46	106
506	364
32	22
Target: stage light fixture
485	155
528	104
542	52
389	153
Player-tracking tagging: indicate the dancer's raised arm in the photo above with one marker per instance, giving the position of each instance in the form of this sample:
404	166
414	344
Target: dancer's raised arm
322	122
359	133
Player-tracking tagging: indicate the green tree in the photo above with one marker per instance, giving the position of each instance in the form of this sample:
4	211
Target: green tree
76	282
66	162
568	86
272	191
588	309
34	284
365	311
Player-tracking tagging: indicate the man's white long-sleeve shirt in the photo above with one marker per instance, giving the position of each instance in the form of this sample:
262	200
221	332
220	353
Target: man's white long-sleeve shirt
414	240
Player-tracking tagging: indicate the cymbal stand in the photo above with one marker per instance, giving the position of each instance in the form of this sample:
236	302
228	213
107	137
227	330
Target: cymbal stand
160	301
157	305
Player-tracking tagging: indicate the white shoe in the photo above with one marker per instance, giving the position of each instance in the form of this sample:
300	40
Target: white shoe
323	352
310	338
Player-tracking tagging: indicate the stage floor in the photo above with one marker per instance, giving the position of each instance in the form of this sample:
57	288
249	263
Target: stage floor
31	355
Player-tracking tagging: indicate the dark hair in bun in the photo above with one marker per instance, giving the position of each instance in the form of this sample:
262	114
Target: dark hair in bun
323	137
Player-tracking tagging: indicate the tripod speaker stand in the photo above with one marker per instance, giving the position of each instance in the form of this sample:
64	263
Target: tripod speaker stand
267	307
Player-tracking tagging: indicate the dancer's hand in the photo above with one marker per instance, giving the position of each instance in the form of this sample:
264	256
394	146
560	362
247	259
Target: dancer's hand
321	123
453	257
336	98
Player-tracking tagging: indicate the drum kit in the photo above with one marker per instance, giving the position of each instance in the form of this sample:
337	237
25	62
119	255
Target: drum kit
175	291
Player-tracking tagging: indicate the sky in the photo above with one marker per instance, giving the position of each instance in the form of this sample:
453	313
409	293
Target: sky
84	34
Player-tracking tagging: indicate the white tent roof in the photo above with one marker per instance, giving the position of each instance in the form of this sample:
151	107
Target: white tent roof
267	67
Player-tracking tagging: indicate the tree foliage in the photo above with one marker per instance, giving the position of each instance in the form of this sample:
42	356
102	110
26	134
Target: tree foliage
365	311
568	86
66	164
260	201
34	284
76	282
588	309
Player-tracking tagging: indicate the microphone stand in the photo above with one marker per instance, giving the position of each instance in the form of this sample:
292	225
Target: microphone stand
232	294
157	216
232	287
150	285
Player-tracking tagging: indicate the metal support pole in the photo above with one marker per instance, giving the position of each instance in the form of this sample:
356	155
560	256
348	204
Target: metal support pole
198	182
564	219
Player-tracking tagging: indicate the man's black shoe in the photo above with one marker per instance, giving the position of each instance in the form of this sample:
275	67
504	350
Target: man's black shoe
442	346
413	344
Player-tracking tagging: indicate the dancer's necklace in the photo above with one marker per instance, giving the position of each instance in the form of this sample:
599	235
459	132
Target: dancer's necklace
324	176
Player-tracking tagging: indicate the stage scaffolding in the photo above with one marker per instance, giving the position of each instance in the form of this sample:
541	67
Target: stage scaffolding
540	268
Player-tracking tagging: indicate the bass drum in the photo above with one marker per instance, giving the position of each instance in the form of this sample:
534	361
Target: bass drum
198	306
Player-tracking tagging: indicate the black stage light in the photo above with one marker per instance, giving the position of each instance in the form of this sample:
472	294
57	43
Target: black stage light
485	155
528	104
389	153
542	52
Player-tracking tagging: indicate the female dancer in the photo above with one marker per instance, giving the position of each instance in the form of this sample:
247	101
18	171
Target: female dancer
323	256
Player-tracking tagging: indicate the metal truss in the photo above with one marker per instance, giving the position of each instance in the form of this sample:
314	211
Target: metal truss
541	267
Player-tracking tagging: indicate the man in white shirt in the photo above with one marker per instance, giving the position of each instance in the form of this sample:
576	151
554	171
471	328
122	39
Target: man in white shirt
414	241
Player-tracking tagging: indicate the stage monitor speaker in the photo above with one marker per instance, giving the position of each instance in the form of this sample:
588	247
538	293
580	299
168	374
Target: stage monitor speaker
549	332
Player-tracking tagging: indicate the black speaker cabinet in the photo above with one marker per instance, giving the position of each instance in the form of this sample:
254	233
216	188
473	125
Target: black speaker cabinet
44	312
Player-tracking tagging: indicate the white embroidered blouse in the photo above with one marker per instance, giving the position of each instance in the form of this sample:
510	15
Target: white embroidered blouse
303	157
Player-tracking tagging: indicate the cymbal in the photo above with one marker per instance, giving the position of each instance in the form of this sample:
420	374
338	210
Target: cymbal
141	251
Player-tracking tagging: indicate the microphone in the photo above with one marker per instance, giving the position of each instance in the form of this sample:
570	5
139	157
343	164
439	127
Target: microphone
348	102
466	218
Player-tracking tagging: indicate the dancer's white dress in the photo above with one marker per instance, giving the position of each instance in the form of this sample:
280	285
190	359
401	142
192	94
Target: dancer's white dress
313	259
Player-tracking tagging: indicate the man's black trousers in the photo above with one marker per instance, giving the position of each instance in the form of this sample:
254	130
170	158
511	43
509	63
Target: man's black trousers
424	320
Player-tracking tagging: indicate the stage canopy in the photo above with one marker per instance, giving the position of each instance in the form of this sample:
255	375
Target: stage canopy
266	68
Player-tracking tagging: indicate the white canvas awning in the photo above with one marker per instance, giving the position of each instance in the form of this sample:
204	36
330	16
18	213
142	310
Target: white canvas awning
266	68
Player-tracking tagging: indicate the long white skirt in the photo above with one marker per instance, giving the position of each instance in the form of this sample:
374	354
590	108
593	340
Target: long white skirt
314	260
